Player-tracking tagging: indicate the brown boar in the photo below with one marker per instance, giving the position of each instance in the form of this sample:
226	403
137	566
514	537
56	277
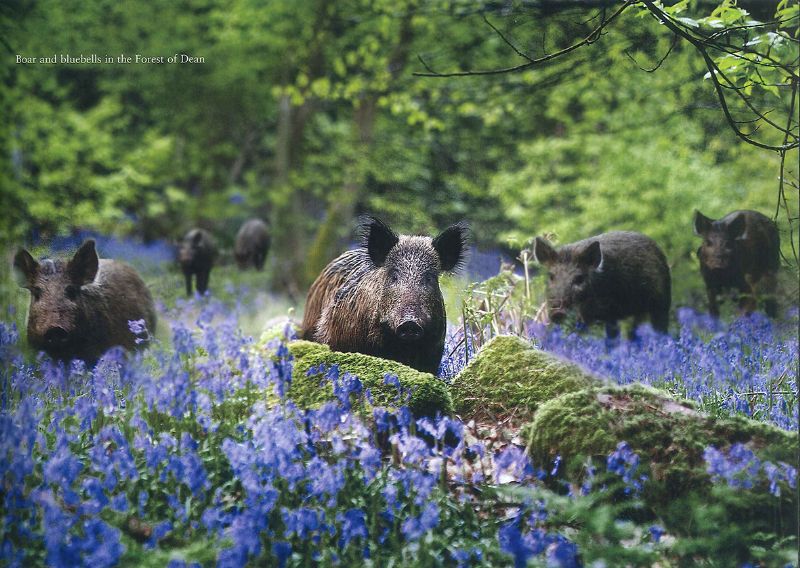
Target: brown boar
739	251
607	278
383	298
196	254
252	244
81	308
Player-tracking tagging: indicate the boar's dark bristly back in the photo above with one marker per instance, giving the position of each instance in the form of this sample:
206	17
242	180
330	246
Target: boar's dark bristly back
81	308
383	298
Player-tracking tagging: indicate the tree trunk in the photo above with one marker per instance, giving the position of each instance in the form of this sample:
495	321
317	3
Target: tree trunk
341	209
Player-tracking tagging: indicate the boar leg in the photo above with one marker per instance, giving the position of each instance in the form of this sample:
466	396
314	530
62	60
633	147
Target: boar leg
188	277
747	296
659	319
612	329
713	302
202	281
768	287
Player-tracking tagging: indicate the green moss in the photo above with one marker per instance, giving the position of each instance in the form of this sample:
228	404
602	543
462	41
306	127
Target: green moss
669	436
509	375
427	394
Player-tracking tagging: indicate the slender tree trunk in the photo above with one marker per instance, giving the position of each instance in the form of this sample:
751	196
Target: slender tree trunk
328	240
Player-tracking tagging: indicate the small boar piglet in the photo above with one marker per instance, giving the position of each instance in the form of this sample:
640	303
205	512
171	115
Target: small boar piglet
252	244
82	307
739	252
383	298
607	278
196	255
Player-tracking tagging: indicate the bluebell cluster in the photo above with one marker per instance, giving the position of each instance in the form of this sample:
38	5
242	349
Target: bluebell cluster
740	467
149	256
197	441
747	367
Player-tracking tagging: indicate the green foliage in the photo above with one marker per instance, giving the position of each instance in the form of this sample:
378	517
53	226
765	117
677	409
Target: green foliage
307	114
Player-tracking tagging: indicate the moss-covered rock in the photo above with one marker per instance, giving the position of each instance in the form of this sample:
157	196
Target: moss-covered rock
509	375
669	435
426	395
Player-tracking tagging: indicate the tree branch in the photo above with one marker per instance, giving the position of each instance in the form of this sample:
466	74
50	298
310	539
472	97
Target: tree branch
591	38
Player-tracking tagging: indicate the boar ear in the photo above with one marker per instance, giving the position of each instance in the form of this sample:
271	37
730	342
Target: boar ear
702	224
197	237
737	227
377	238
543	252
591	256
452	247
83	267
25	268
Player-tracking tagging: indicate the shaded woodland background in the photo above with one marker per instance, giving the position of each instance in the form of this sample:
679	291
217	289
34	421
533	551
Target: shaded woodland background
308	113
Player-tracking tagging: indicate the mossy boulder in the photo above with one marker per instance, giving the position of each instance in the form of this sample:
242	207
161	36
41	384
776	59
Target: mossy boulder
509	375
669	436
426	395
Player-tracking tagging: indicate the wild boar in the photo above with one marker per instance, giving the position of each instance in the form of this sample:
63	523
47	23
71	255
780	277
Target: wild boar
607	278
82	307
383	298
196	254
739	251
252	244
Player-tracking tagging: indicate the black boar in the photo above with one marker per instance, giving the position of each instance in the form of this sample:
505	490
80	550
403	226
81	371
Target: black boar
739	251
196	255
252	244
81	308
383	298
606	278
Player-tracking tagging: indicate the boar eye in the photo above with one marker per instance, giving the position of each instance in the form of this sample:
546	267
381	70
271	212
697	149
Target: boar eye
430	278
394	276
550	277
578	280
36	293
71	291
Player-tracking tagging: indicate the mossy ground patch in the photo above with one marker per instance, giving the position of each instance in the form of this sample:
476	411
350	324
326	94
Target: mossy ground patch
669	436
424	394
510	376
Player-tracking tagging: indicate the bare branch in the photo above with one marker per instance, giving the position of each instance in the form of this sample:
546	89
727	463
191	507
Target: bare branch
781	188
506	40
718	87
591	38
661	61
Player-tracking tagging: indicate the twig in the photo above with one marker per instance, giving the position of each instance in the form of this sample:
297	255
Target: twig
591	38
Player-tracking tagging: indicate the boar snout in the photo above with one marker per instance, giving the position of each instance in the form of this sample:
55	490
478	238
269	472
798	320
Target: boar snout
410	330
56	337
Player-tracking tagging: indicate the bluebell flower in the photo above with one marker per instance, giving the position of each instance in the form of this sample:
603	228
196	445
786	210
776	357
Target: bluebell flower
282	551
656	532
352	525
